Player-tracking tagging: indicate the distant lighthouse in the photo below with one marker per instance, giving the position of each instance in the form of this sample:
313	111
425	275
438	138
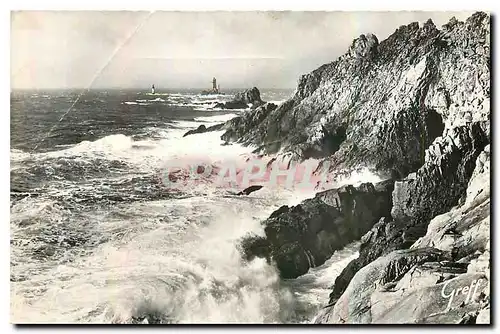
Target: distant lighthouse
215	88
153	89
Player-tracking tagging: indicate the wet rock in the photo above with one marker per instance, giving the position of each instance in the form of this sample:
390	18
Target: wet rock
416	106
306	235
409	292
202	129
242	100
381	105
249	190
236	127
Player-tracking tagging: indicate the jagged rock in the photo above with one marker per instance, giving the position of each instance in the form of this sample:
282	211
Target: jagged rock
465	230
202	129
249	190
249	96
355	303
377	293
461	237
434	189
242	100
448	166
481	264
416	105
382	104
236	127
306	235
364	46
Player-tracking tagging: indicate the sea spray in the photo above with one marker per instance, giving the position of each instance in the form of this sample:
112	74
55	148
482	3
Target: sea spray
100	240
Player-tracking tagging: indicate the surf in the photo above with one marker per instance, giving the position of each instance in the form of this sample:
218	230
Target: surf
103	243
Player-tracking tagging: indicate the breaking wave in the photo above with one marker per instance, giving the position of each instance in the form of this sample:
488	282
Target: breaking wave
99	239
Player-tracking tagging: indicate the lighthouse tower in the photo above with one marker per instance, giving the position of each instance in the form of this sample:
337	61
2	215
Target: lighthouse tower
153	89
214	85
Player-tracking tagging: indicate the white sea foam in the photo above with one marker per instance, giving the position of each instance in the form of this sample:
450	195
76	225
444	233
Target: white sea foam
174	259
186	268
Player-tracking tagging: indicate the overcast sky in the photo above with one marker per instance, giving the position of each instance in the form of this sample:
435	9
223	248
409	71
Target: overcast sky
186	49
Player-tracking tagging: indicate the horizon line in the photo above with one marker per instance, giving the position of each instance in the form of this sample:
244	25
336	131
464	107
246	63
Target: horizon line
142	88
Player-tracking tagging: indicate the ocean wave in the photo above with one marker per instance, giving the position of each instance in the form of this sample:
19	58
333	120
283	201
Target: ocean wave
117	142
158	99
215	119
166	262
17	155
137	103
104	241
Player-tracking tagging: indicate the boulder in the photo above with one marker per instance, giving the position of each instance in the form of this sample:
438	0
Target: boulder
248	96
249	190
242	100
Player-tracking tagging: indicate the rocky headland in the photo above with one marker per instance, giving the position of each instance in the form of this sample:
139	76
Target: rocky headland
416	107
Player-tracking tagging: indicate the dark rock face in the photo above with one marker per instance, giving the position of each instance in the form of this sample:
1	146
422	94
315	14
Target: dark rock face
202	129
434	189
249	96
243	99
306	235
414	295
417	105
249	190
448	167
381	105
237	127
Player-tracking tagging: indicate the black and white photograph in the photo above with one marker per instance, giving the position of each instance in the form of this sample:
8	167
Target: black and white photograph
250	167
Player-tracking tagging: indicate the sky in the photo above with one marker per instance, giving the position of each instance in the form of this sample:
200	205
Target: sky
134	49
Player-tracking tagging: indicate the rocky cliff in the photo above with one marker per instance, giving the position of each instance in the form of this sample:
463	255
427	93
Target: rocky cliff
416	105
443	277
383	103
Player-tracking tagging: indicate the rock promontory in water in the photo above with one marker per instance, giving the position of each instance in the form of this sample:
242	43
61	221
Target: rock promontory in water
242	100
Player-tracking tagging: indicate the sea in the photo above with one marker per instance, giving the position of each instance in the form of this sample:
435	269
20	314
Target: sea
96	237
